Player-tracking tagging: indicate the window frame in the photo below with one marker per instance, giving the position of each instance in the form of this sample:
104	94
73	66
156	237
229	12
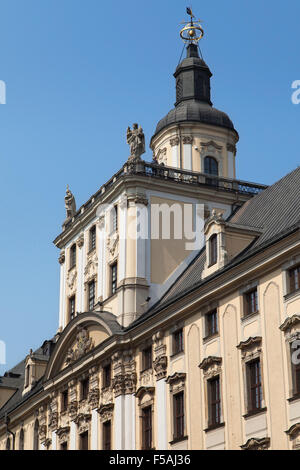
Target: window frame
91	298
252	388
178	417
177	342
84	388
84	439
147	358
106	437
294	272
211	328
113	278
106	383
213	249
73	256
147	429
248	302
92	238
72	305
214	404
64	400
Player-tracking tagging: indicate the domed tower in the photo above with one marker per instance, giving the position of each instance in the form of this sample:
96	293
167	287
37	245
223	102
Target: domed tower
194	136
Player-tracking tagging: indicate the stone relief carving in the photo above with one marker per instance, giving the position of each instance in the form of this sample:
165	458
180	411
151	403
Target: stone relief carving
63	434
83	345
92	265
80	241
83	422
93	398
62	257
187	139
174	141
106	412
112	243
71	279
257	444
161	156
176	382
211	366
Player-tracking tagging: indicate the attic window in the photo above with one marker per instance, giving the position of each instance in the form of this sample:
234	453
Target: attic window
213	250
27	375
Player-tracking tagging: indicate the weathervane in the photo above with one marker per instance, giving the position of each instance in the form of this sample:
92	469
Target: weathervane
192	32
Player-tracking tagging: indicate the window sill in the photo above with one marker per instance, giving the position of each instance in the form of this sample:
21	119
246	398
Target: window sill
291	295
178	439
176	354
212	264
211	337
212	427
250	315
294	398
255	412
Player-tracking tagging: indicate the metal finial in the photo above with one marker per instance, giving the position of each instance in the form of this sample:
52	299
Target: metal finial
192	32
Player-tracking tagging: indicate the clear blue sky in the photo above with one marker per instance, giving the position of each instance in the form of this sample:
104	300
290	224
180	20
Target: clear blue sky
78	72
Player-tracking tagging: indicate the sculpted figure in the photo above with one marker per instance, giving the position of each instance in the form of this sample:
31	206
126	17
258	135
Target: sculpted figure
70	203
136	141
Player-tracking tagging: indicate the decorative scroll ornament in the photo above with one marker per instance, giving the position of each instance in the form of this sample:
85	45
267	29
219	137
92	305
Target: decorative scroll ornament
112	243
83	344
70	204
136	141
257	444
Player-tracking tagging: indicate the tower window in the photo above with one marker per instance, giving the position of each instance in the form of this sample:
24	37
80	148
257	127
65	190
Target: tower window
92	244
114	278
72	307
213	250
73	256
91	289
211	166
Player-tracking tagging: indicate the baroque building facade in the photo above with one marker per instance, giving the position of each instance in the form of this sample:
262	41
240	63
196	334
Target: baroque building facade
170	337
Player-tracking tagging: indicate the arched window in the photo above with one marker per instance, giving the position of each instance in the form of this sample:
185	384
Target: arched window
21	440
73	256
8	443
211	166
36	435
213	250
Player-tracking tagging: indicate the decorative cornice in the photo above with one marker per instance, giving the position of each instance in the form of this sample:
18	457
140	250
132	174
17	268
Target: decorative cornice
178	376
106	411
62	433
209	362
293	430
142	390
257	444
252	341
138	199
211	143
290	322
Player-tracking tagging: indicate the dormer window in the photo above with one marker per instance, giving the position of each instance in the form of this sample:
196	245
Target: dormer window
73	256
213	250
211	166
92	241
27	375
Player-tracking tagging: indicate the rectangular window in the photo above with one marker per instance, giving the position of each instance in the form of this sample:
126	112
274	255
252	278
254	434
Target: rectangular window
211	320
73	256
64	400
251	302
84	441
147	428
254	386
92	244
115	219
84	388
27	373
147	358
214	401
178	406
107	376
114	278
91	299
294	279
107	435
295	373
178	341
72	307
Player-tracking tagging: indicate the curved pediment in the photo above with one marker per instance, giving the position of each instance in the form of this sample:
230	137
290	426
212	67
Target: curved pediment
81	336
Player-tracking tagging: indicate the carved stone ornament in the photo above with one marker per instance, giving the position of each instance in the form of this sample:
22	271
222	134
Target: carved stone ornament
62	257
174	141
143	390
138	199
215	218
211	367
53	420
210	147
161	156
176	381
290	322
136	140
43	432
93	398
231	148
130	383
101	222
251	348
63	434
294	435
82	421
146	377
83	345
91	266
80	241
160	365
249	343
187	139
73	406
112	243
70	204
106	412
257	444
71	279
118	385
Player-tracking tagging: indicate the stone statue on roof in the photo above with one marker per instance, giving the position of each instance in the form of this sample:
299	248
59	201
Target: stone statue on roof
70	203
136	141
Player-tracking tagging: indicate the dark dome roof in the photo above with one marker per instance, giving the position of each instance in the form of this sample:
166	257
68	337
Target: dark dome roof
195	111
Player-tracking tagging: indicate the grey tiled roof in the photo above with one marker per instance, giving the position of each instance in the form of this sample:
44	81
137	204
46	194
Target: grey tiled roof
275	211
